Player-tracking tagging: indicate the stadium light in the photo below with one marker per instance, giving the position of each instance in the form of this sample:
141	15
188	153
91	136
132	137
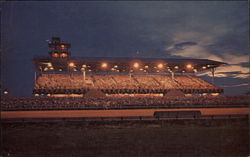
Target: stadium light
176	67
146	66
215	94
71	64
63	47
116	66
104	65
45	69
5	92
204	67
136	65
49	64
189	66
55	55
160	65
63	55
84	66
82	69
195	70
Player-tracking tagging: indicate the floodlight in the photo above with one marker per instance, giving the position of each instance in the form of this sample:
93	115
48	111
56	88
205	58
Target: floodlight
5	92
160	65
71	64
136	65
104	65
189	66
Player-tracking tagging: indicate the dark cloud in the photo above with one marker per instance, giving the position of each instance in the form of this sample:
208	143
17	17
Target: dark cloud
245	64
233	72
182	45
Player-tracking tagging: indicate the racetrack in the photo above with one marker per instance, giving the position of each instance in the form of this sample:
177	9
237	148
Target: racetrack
115	113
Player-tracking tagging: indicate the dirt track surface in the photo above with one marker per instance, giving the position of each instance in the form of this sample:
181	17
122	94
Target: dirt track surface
115	113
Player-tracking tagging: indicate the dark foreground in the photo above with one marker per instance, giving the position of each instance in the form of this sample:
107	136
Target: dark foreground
216	137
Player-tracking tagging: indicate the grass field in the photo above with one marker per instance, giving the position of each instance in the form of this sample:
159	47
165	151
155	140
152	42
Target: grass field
225	138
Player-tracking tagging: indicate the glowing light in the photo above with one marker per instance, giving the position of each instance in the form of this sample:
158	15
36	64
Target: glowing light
55	55
49	64
64	55
146	66
5	92
195	70
60	69
189	66
136	65
176	67
36	94
204	67
71	64
45	69
84	66
104	65
82	69
215	94
115	66
63	47
51	68
160	65
141	69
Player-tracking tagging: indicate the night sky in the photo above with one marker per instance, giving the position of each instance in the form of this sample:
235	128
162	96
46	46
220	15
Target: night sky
207	30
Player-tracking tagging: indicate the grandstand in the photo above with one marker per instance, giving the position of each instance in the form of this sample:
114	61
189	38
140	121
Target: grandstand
62	75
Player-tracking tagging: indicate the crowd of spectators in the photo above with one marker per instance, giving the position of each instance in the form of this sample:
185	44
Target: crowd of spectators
121	81
109	102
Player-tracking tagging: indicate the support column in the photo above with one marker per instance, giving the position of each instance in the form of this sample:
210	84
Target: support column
172	75
84	76
212	71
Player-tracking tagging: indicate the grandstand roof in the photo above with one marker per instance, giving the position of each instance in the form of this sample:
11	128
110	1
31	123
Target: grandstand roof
123	64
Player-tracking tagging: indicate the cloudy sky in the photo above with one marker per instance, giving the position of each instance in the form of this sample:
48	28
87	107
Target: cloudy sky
216	30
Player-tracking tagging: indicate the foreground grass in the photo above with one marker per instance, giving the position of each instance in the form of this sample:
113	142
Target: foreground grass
224	138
